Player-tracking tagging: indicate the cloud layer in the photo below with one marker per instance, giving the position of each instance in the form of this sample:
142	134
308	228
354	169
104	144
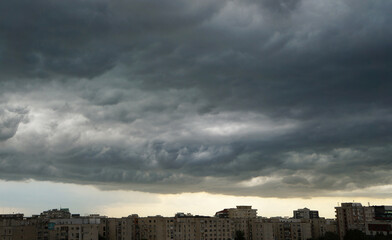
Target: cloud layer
287	98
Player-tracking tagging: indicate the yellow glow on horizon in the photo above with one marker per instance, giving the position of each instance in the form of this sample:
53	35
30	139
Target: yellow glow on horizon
85	199
207	204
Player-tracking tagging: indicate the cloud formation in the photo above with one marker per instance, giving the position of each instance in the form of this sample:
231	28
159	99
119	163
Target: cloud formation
264	98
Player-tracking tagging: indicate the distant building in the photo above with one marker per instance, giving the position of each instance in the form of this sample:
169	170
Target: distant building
238	212
74	228
15	216
305	213
261	229
320	226
56	213
291	229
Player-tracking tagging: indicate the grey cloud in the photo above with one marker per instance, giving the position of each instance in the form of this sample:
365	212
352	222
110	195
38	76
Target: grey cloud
45	38
10	118
279	6
208	96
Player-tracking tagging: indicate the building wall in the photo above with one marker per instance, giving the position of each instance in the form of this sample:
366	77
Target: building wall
291	229
350	216
74	229
305	213
320	226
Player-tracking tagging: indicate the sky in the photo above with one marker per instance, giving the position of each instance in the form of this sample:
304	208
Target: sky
156	107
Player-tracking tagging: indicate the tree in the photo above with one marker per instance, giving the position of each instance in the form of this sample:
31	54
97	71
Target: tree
327	236
354	235
239	235
331	236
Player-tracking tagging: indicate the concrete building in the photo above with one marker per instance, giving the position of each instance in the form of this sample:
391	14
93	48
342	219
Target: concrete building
185	227
371	220
378	220
291	229
16	227
305	213
119	228
152	228
238	212
241	218
61	213
320	226
350	216
82	228
261	229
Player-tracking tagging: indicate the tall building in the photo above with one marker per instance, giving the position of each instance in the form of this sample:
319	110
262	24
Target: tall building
371	220
350	216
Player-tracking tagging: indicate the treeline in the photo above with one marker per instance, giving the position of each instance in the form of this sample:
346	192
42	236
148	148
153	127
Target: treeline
353	235
327	236
359	235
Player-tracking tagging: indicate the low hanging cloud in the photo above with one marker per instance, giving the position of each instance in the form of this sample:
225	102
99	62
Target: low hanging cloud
269	98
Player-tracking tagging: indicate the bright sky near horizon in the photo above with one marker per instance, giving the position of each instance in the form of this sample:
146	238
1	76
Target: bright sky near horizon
34	197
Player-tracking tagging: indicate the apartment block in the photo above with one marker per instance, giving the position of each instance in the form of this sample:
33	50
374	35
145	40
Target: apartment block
238	212
261	229
305	213
82	228
379	220
320	226
371	220
185	227
16	227
118	228
291	229
350	216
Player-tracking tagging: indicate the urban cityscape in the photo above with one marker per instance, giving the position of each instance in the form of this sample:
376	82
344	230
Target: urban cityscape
353	222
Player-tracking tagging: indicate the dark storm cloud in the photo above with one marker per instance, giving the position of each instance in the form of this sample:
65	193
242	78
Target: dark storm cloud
84	38
272	98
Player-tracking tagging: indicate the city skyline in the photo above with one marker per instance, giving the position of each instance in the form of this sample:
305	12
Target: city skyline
353	222
117	105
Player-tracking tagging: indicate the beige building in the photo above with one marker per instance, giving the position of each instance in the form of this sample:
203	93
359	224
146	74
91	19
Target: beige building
291	229
320	226
185	227
238	212
118	228
305	213
83	228
261	229
350	216
371	220
16	227
152	228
